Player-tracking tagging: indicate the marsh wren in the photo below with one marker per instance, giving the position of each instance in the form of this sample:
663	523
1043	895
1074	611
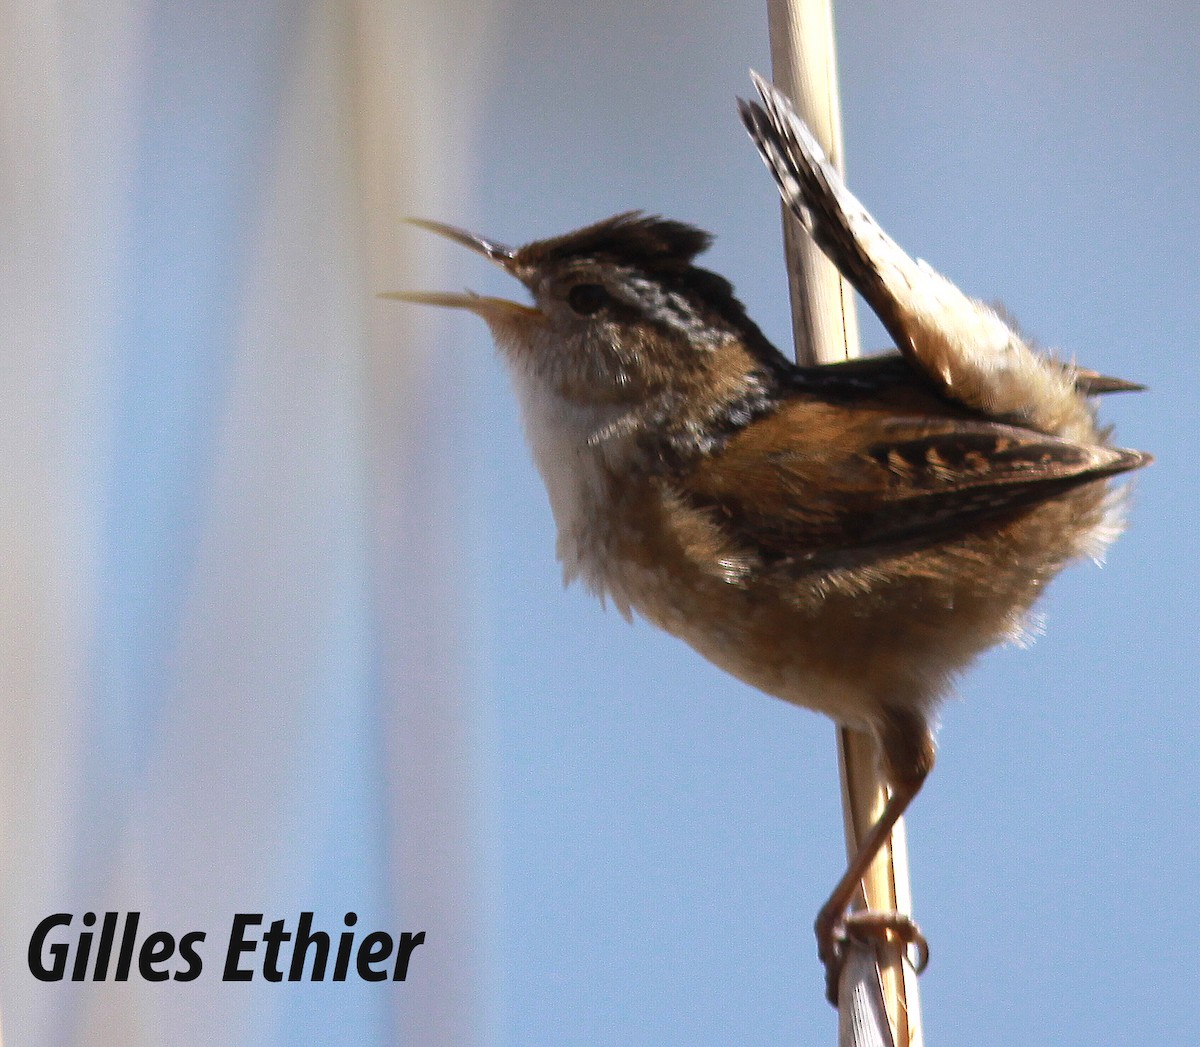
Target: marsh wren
847	537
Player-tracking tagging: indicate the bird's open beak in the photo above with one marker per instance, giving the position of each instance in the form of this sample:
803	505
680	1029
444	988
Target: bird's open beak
498	253
483	305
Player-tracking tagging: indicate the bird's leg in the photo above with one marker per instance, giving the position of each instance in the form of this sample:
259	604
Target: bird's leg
834	924
907	748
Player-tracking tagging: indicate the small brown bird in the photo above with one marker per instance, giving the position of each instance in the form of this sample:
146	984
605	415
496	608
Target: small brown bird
846	537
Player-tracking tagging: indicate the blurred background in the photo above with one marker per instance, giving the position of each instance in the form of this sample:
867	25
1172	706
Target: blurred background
282	628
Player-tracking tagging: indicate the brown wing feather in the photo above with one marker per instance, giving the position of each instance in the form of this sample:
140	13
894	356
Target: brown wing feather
888	367
810	480
1093	383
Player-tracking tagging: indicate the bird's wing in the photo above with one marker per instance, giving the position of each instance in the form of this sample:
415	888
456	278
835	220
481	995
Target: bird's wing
866	372
808	482
1093	383
963	346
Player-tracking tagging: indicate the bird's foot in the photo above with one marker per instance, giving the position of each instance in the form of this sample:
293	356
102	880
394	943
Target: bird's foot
835	930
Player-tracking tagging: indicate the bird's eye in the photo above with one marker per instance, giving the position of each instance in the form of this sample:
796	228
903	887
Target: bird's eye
587	299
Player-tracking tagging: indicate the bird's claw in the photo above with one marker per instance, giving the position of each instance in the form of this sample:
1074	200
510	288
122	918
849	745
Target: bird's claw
867	927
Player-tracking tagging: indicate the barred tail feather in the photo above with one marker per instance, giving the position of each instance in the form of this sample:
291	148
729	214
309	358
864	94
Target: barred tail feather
964	346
